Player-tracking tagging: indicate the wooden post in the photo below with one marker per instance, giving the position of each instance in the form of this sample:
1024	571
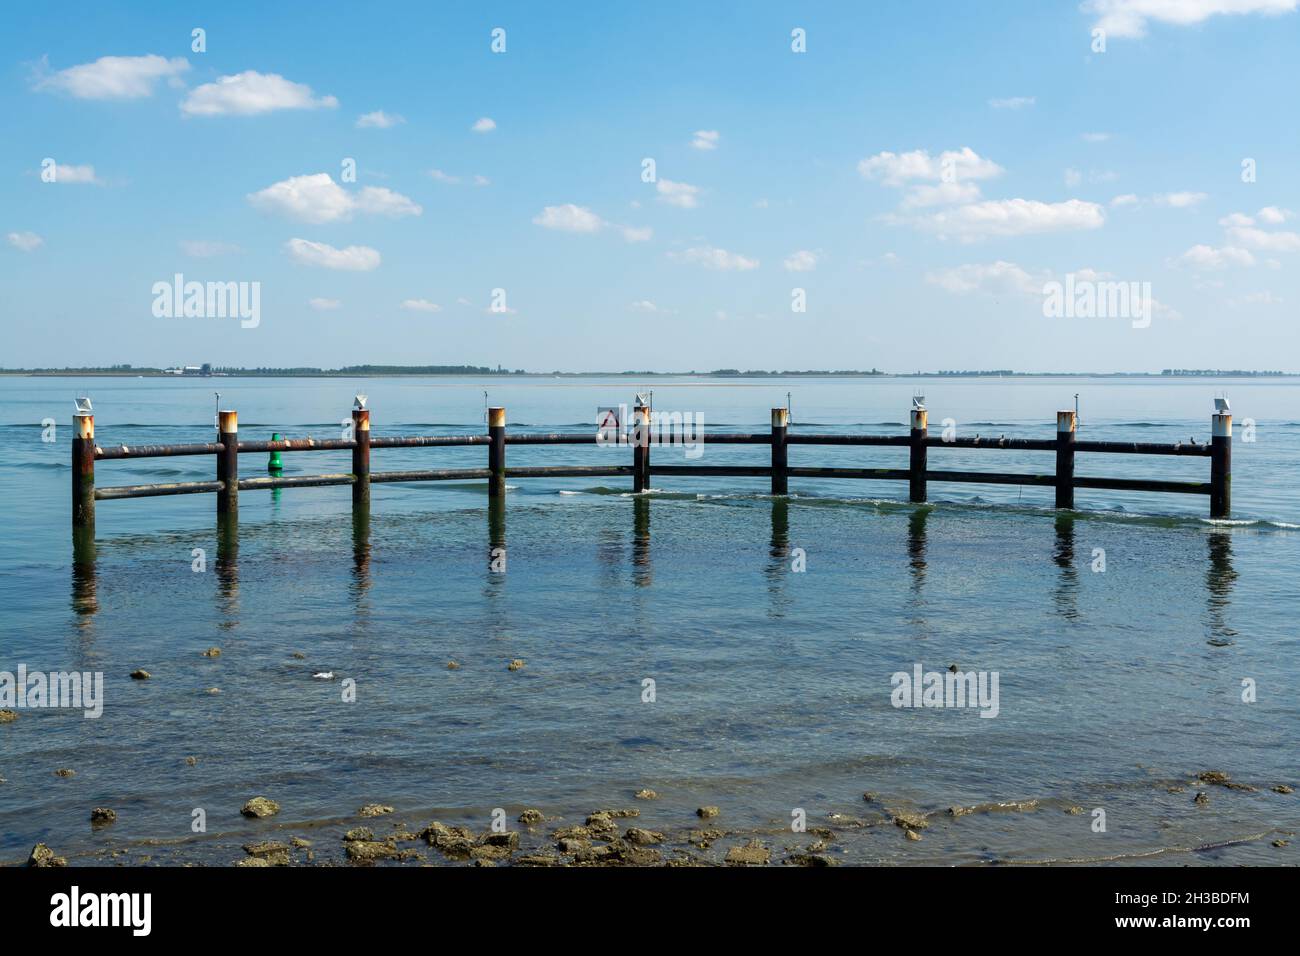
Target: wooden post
1065	426
228	462
780	460
497	452
641	448
1221	465
83	473
361	456
917	458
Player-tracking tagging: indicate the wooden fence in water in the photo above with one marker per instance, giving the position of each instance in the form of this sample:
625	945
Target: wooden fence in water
227	484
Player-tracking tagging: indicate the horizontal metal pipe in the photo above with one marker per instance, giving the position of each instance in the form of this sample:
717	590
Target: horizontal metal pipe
990	478
1144	448
1144	484
570	438
569	471
793	439
154	491
723	438
158	451
732	470
298	444
1016	444
889	474
294	481
425	441
441	474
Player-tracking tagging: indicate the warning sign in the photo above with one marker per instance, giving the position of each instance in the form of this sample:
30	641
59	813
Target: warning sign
609	424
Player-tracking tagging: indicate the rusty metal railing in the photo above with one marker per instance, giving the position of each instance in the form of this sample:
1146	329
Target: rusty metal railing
227	484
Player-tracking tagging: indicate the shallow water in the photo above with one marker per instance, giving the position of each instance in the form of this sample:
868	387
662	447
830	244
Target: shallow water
772	686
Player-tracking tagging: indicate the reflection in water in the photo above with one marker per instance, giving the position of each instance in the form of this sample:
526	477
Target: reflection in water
779	552
227	567
496	561
360	555
85	599
642	572
1219	581
1067	591
916	523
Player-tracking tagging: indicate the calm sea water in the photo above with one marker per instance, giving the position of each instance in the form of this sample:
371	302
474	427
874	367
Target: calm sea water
772	686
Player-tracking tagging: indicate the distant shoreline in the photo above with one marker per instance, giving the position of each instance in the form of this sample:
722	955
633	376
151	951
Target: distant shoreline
470	372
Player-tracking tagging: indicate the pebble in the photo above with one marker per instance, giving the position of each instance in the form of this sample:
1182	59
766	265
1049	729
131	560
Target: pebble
752	853
260	807
515	665
707	813
42	855
140	674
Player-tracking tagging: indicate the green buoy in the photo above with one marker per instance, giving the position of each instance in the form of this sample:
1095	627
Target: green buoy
274	465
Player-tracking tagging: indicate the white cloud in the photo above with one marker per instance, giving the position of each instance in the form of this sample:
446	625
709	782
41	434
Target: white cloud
897	169
484	124
114	77
63	173
1128	199
250	93
1236	219
569	218
314	198
1008	217
801	261
994	278
379	120
1073	177
1012	103
1253	238
682	195
324	305
943	194
1274	216
717	259
645	305
381	201
351	259
1095	137
207	249
1128	18
573	218
420	305
482	181
1208	257
26	241
706	139
317	199
1181	200
439	176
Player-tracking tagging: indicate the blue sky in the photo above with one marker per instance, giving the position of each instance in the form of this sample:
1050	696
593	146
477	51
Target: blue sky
920	172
